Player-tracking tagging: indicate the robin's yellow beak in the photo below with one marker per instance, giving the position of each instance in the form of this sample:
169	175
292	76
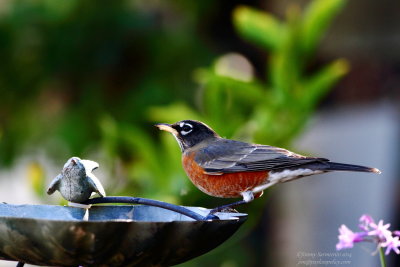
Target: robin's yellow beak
166	127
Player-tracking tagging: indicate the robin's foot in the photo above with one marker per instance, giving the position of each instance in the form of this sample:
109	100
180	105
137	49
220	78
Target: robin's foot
227	208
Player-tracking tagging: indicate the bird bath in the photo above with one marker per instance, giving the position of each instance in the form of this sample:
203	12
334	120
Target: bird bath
112	235
154	233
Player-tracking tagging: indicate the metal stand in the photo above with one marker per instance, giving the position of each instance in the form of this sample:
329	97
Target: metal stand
150	202
20	264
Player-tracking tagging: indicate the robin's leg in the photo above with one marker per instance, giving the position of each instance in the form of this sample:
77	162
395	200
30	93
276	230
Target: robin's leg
248	196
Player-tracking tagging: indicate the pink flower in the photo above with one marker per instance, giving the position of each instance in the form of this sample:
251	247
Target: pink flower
379	233
347	238
396	233
365	221
392	243
380	230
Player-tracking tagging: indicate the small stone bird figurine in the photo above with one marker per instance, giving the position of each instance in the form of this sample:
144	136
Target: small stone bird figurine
229	169
76	182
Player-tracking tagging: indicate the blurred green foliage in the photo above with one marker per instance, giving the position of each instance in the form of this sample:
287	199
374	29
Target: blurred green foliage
87	79
65	64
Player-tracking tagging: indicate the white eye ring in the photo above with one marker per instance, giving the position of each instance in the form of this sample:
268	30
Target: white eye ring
182	124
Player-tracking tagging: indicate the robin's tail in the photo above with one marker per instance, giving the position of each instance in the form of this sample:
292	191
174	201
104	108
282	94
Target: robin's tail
334	166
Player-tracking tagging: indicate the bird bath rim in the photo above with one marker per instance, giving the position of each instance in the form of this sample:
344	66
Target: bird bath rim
222	216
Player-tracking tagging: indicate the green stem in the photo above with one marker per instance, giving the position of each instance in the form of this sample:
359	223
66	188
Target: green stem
382	257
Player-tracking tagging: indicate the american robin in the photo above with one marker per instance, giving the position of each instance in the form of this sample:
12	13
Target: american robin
229	169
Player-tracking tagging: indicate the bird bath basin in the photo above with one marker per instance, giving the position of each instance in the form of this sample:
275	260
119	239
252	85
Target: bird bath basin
111	235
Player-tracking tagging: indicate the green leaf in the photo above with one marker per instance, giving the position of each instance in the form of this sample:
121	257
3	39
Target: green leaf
316	20
172	113
284	64
258	27
140	143
244	91
109	135
321	82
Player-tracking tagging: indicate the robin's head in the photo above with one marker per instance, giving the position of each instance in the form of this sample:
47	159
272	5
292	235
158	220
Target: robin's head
188	133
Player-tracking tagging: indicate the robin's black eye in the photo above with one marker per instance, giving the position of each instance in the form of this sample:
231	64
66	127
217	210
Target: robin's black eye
185	128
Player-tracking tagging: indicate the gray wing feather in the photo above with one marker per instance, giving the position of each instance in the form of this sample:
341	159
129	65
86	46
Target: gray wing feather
54	184
96	185
233	156
89	165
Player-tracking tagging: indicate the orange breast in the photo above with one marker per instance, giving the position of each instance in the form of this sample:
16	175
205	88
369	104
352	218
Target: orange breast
228	185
